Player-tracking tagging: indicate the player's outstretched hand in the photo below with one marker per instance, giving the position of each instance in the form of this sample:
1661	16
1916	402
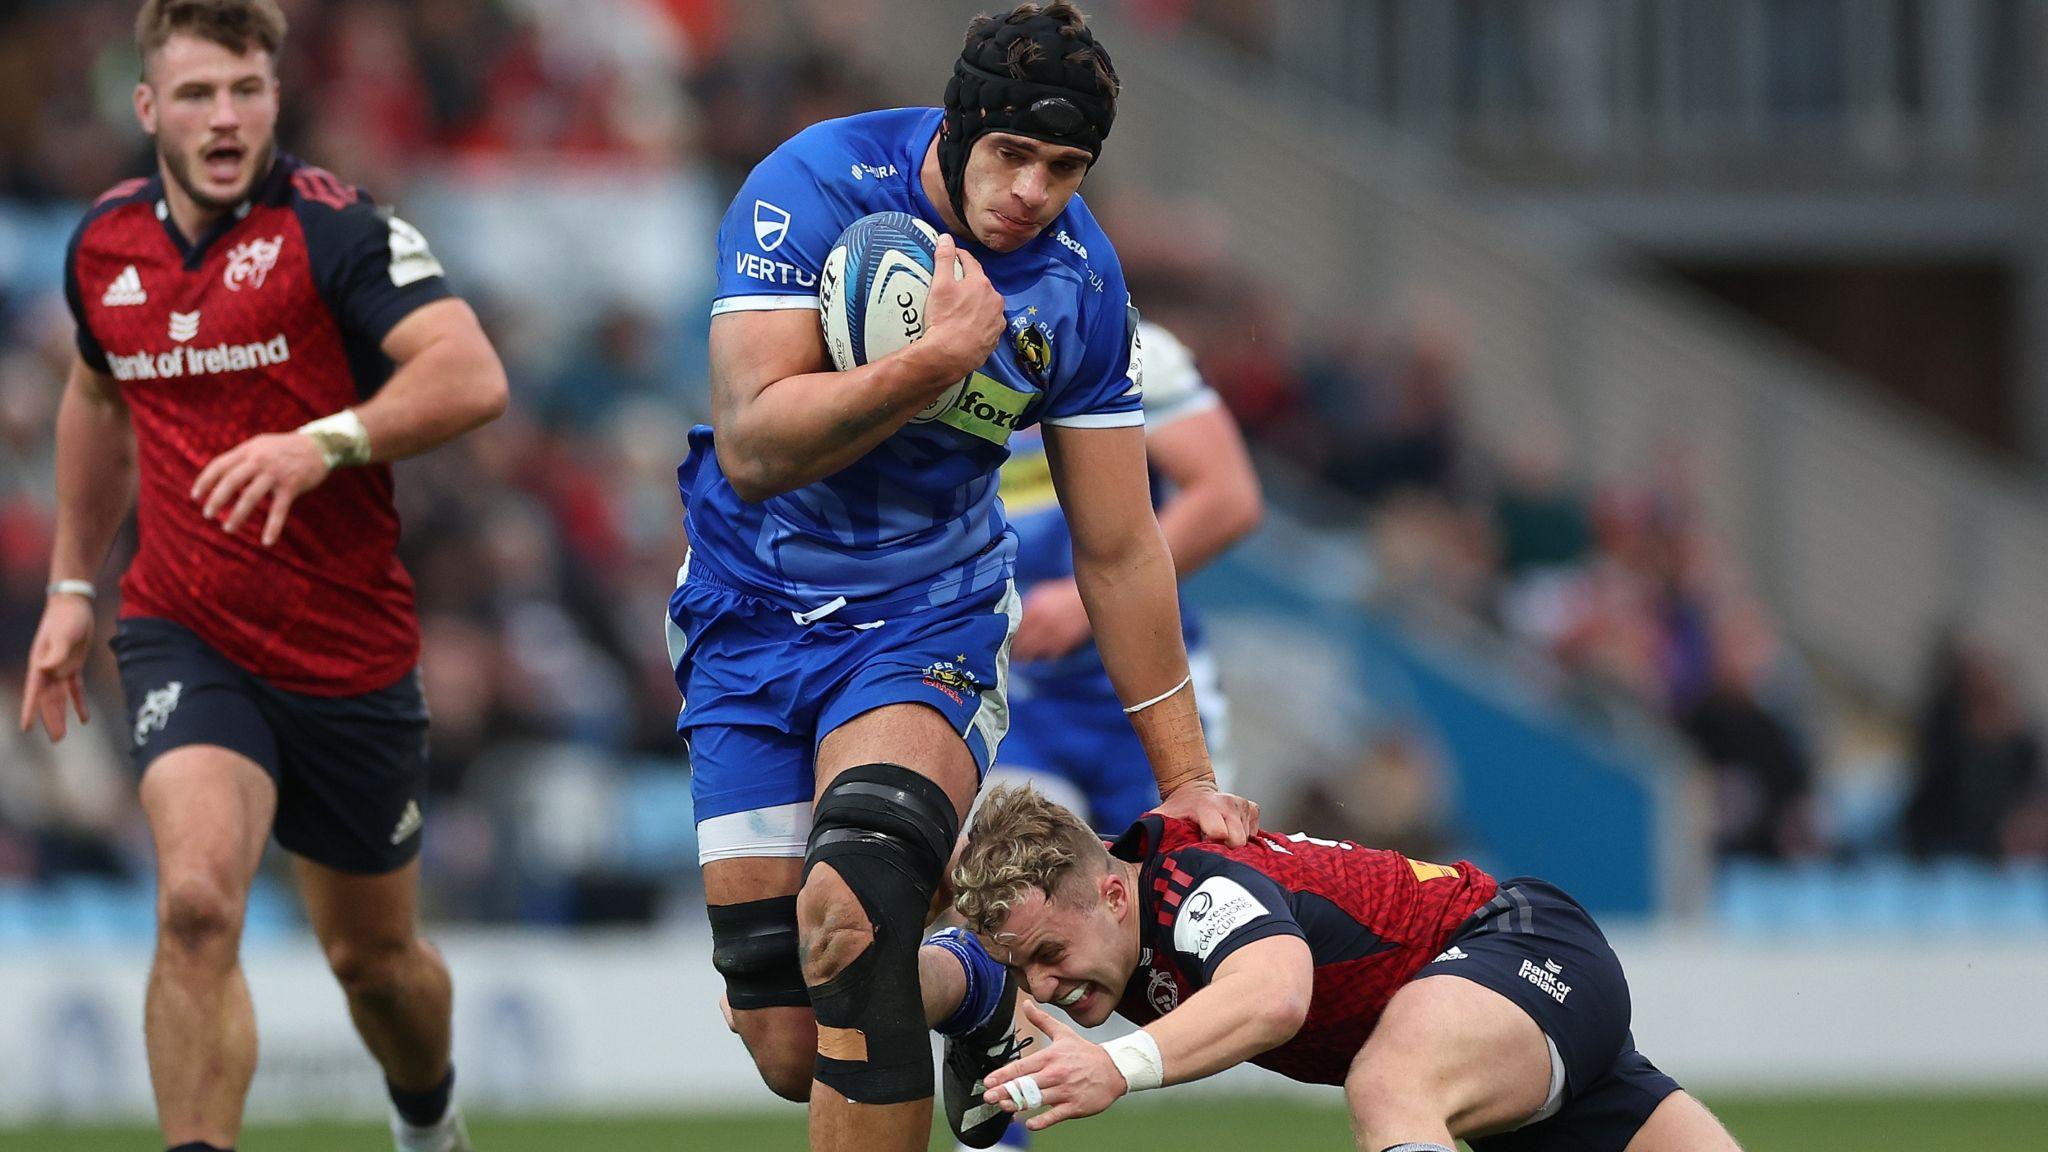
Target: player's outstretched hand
280	465
1055	622
56	664
1221	816
1070	1077
963	314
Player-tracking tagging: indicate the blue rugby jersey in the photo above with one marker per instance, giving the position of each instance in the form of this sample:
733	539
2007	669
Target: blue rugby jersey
1174	390
916	521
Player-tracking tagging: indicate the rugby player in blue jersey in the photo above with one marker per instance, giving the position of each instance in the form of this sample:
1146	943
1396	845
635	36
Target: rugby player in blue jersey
840	627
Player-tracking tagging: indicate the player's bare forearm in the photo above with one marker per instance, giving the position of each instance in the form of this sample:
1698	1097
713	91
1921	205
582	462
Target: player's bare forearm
802	429
1216	499
1257	1002
95	473
784	420
1134	610
448	381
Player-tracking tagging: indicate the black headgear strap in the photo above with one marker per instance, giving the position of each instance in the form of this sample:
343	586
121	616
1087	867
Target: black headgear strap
1058	101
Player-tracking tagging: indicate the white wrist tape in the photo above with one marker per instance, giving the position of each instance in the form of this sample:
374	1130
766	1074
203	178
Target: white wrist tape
343	440
1137	708
72	588
1137	1057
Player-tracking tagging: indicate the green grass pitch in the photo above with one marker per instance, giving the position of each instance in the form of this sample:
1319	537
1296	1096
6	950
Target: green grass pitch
2000	1123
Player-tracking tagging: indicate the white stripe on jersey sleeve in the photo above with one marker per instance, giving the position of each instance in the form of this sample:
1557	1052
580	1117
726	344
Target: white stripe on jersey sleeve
726	304
1097	420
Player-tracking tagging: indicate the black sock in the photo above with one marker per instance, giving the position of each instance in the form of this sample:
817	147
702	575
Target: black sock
423	1109
197	1146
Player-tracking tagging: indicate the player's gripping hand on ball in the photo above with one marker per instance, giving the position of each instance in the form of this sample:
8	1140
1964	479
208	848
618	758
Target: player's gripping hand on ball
963	316
1070	1077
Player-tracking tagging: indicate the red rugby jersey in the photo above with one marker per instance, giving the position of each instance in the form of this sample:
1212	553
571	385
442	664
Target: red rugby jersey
273	317
1371	918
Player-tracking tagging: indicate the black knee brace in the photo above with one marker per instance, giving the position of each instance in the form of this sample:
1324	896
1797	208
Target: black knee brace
754	946
888	832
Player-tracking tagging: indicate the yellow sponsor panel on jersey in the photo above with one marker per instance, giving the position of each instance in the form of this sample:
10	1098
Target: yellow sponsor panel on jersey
1425	871
988	409
1027	482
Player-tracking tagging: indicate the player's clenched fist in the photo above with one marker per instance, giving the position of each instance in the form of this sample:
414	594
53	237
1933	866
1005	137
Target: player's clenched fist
281	465
1070	1077
963	314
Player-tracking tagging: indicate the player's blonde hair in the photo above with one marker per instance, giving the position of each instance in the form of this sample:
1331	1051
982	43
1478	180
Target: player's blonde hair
1019	841
237	25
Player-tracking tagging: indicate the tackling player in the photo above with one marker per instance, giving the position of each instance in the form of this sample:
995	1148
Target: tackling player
256	340
1069	739
1448	1005
840	628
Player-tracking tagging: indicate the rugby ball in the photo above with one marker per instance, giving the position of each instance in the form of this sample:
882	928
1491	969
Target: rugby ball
872	291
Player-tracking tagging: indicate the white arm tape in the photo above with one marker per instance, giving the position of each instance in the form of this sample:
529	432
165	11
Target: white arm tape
342	439
1137	708
1137	1057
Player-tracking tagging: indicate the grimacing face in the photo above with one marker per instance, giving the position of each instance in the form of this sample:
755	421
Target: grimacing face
1014	186
213	113
1075	953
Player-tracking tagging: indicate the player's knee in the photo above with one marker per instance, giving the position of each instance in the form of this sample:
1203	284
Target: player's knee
833	927
754	946
369	969
198	919
885	833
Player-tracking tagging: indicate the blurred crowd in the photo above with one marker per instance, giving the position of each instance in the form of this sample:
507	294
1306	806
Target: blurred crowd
1622	586
543	545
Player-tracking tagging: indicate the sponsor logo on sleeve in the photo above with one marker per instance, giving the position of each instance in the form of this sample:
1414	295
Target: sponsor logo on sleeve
1071	244
878	171
771	225
411	259
1216	908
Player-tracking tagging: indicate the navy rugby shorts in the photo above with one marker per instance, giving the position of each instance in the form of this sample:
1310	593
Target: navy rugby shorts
351	771
1534	945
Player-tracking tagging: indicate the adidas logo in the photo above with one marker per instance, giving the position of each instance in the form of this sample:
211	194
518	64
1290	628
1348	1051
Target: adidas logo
1452	953
126	289
409	822
184	326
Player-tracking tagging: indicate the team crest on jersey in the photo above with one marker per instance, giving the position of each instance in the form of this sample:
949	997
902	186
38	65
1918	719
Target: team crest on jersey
1162	992
250	263
1033	343
952	678
771	225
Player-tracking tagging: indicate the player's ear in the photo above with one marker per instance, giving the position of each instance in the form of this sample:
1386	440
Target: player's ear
1114	893
145	107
